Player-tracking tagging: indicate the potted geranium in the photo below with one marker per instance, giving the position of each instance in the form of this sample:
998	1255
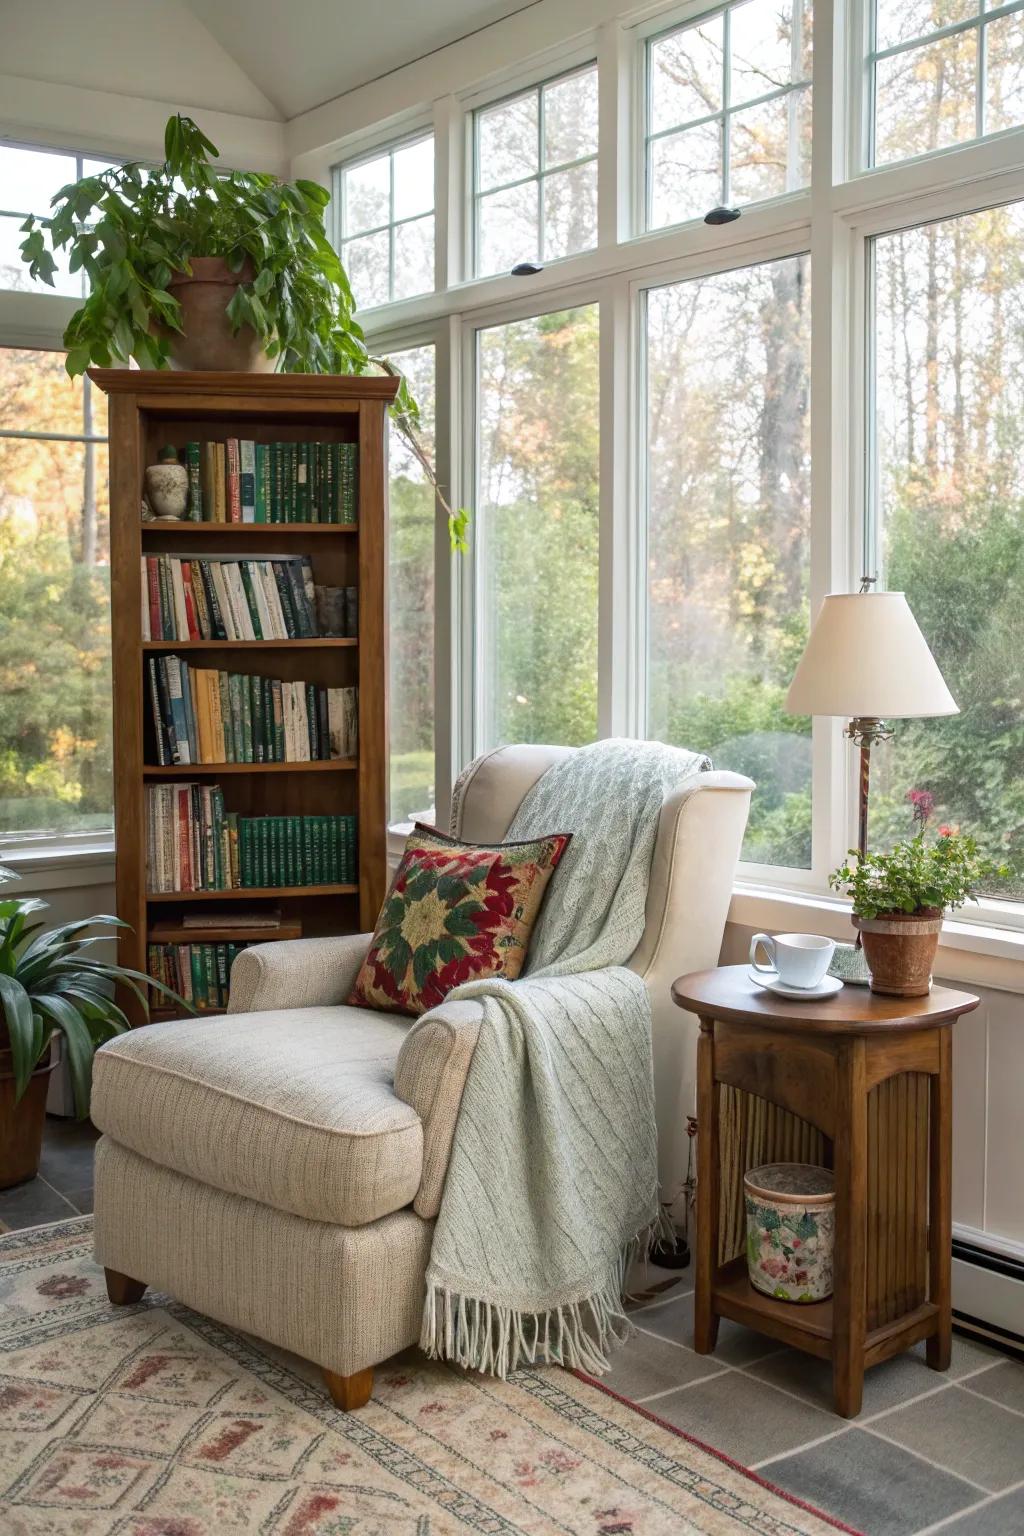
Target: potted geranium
899	899
191	267
51	985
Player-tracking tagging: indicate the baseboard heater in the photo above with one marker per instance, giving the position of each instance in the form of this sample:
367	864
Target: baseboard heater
988	1292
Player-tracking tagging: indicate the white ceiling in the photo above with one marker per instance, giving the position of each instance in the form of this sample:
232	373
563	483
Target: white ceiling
270	59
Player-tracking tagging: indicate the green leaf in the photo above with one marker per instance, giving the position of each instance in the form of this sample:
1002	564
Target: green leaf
17	1011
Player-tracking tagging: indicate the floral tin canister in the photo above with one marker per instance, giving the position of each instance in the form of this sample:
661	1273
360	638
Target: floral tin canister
791	1223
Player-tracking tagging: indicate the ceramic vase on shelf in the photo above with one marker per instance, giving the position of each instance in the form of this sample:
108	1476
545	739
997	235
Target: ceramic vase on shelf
167	486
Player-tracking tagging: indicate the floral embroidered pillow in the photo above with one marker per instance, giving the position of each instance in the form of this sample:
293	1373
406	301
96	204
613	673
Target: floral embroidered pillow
455	912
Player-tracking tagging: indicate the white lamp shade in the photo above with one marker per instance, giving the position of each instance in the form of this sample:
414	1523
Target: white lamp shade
867	657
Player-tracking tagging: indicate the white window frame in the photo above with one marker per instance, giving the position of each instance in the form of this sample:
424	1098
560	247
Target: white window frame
476	194
652	32
980	21
376	150
845	204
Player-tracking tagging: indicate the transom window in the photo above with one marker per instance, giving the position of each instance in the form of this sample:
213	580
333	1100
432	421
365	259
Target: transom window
941	72
29	180
535	174
728	110
387	222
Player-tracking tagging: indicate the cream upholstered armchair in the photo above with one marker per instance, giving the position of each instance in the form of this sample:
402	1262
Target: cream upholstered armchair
279	1168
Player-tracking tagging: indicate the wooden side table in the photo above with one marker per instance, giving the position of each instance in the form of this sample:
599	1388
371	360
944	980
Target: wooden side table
874	1076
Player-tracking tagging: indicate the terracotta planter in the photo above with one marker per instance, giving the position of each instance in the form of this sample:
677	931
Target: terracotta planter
208	343
900	950
21	1124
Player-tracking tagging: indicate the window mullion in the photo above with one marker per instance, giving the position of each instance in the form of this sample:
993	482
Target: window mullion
726	101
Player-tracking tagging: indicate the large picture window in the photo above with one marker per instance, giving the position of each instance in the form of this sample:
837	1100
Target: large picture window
728	499
949	509
55	715
537	528
412	520
728	110
535	174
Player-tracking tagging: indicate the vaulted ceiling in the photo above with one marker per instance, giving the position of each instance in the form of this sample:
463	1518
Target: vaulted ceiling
271	59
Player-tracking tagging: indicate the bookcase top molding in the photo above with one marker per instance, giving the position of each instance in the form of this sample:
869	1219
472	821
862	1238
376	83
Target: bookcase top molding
315	387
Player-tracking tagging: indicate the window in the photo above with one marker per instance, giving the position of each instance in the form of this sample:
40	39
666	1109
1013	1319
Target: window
537	528
728	110
387	223
411	580
535	174
948	381
943	71
29	179
728	498
55	714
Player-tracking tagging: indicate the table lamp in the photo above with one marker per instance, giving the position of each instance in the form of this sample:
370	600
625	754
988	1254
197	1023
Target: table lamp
867	659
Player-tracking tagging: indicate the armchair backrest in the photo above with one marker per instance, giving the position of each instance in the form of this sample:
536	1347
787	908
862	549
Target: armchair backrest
695	855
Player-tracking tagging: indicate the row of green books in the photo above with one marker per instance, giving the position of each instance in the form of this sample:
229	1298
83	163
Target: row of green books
193	843
273	598
200	715
240	481
200	973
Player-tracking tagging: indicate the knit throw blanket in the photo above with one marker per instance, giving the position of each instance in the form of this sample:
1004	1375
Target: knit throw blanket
552	1183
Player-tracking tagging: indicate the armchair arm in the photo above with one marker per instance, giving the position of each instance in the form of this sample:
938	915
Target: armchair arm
430	1074
297	973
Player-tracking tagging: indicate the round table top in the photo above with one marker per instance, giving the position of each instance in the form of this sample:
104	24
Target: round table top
728	993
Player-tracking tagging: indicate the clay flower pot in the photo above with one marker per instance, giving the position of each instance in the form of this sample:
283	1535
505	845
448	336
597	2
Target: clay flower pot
900	950
21	1124
208	343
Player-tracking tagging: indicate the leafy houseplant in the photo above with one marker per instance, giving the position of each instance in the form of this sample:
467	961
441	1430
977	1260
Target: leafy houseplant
193	267
899	899
51	983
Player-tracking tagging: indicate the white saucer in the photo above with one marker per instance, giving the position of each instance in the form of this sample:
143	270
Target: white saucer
828	987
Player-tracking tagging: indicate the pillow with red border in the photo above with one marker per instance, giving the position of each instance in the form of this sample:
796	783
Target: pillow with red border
455	912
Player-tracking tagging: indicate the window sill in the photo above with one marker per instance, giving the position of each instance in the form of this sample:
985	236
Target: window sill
52	865
969	953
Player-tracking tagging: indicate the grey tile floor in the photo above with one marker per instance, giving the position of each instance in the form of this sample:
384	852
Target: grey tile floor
928	1453
64	1185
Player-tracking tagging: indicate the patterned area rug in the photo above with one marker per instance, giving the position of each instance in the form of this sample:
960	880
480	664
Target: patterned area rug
154	1421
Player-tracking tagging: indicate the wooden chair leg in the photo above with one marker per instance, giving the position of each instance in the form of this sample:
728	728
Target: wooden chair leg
348	1392
122	1290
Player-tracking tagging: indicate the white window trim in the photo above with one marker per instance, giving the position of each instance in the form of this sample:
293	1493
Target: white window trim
845	205
477	194
375	150
35	322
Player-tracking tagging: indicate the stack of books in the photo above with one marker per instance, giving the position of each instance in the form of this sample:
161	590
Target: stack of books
204	716
239	481
200	973
272	598
194	844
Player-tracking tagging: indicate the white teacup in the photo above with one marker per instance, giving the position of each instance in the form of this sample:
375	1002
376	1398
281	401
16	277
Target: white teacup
799	959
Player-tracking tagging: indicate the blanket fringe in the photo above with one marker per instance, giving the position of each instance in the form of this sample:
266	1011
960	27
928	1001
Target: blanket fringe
486	1336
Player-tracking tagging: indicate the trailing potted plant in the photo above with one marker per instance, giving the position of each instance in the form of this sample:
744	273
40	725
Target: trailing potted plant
191	267
899	899
51	986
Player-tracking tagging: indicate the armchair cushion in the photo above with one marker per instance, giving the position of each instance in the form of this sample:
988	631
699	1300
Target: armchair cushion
456	912
294	1109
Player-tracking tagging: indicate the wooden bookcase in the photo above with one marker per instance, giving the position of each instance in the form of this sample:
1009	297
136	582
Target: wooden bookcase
147	410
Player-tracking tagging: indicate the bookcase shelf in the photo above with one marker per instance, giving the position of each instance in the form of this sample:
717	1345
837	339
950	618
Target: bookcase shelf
241	531
197	770
322	643
245	893
147	410
222	933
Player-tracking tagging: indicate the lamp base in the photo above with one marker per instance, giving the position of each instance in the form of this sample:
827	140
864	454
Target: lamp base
850	965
